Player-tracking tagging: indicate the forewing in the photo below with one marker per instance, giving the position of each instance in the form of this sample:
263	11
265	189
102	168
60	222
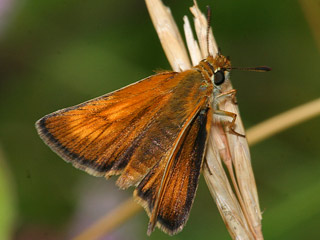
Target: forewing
95	135
169	188
127	131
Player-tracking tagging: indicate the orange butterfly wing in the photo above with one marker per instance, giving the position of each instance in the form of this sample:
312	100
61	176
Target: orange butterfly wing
127	131
168	191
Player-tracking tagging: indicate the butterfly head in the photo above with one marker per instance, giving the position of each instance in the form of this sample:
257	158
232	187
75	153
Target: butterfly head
220	66
215	69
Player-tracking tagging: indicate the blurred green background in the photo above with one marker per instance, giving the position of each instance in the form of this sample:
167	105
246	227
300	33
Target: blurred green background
59	53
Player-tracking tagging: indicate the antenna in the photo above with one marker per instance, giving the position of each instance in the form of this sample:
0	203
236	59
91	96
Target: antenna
208	27
252	69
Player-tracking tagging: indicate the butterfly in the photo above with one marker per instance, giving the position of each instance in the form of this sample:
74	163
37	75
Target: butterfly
152	133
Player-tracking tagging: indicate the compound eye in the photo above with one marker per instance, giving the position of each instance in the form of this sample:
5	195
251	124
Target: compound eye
219	77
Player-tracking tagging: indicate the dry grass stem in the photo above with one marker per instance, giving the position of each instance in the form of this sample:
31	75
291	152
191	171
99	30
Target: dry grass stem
283	121
192	44
168	31
221	184
247	194
241	160
111	221
200	24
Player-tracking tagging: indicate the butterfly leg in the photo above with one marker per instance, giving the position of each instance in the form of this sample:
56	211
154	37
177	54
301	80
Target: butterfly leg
231	93
231	124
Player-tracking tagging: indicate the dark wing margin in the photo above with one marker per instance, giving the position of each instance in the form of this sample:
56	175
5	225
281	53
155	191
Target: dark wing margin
177	190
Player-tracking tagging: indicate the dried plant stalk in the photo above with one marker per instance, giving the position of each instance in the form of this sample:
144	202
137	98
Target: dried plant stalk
215	177
234	145
192	44
109	222
201	27
283	121
168	32
220	187
218	147
241	160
